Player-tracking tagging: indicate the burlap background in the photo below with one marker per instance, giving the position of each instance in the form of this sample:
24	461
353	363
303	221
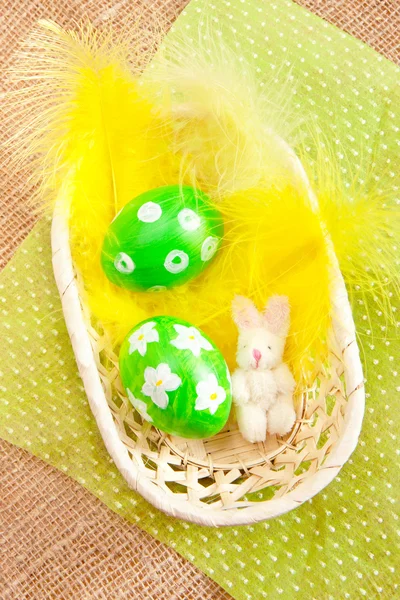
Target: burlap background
56	539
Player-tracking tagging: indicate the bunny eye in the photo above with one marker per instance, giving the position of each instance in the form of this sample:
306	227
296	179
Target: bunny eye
269	348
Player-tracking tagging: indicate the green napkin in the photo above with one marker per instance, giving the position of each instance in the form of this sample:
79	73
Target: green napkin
343	543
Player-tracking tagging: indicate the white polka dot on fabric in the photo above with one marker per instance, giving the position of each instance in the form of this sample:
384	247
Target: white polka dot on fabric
176	261
149	212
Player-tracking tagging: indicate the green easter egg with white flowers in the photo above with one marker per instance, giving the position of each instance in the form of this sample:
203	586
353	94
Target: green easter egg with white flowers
176	377
161	239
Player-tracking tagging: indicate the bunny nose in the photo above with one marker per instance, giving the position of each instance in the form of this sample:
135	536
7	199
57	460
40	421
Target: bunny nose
256	354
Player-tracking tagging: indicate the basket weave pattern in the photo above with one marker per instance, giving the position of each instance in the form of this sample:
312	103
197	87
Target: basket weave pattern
224	480
222	472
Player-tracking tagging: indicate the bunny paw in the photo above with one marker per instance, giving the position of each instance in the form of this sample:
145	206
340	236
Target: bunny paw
252	421
281	418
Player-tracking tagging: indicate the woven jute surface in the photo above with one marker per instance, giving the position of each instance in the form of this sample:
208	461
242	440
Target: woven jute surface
56	539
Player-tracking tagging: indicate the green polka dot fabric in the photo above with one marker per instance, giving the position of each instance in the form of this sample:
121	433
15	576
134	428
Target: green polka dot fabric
344	543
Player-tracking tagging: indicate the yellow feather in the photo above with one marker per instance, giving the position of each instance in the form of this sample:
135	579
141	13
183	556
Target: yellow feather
273	244
101	125
362	215
224	123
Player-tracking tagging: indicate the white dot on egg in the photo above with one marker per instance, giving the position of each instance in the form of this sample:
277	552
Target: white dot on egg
176	261
157	288
123	263
149	212
209	248
189	220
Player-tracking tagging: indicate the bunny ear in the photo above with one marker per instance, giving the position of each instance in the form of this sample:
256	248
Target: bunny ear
277	315
245	314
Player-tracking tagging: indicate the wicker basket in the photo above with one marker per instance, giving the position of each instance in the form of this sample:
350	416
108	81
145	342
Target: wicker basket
223	480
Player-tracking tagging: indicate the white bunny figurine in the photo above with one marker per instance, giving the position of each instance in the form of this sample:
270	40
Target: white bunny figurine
263	385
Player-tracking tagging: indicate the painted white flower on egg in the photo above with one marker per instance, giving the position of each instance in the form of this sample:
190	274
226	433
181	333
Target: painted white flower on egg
189	220
209	248
190	338
140	406
158	382
149	212
143	336
209	394
123	263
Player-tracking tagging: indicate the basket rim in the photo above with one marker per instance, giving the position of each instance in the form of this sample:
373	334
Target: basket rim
343	327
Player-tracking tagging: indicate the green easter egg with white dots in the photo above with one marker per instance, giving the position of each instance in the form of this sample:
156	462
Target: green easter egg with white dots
161	239
176	378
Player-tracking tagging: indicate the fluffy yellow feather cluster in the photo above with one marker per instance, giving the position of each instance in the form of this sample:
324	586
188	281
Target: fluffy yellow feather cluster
266	250
121	144
193	120
114	135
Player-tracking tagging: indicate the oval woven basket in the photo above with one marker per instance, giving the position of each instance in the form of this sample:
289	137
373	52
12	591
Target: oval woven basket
223	480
